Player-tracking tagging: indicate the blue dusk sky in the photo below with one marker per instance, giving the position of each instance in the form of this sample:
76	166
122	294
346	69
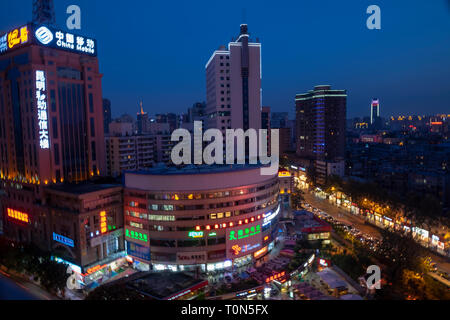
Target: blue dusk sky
157	50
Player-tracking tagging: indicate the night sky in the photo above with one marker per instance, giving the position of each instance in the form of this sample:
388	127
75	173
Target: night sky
157	50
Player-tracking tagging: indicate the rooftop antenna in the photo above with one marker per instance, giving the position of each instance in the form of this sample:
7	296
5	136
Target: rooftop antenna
44	12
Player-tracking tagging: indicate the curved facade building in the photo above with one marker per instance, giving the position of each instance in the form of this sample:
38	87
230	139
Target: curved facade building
212	216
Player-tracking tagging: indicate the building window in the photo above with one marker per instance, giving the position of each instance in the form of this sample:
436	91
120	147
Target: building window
91	103
92	127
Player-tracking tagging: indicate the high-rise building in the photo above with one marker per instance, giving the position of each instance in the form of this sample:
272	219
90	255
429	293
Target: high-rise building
374	110
321	120
51	102
233	85
51	131
196	112
142	121
376	122
106	115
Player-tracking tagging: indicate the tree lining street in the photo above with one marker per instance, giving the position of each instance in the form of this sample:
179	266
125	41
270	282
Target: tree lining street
344	216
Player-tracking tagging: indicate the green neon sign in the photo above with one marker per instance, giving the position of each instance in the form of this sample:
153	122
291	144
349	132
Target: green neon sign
212	234
196	234
136	235
244	233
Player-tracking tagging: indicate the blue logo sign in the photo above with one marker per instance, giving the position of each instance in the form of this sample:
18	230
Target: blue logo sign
138	251
44	35
64	240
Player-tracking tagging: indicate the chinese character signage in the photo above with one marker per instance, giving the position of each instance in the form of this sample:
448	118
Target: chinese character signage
243	240
103	221
136	235
42	115
138	251
49	37
17	37
245	232
64	240
17	215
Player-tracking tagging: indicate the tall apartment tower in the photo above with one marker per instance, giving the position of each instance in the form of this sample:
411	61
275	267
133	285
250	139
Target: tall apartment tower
233	85
321	119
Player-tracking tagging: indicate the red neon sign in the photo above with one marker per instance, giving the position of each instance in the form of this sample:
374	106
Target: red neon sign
94	269
275	277
17	215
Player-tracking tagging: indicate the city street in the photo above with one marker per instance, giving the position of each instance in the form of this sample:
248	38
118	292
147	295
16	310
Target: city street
12	288
344	216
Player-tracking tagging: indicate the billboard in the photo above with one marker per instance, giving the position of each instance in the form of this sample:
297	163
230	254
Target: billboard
138	251
243	240
48	37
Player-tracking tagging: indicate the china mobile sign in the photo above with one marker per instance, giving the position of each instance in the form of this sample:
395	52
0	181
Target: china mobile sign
42	113
47	37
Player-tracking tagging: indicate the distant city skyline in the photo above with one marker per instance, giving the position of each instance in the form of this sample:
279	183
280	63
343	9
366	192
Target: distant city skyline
159	52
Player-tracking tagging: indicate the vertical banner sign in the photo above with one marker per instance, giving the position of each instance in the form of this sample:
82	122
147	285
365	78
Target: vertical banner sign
42	115
103	221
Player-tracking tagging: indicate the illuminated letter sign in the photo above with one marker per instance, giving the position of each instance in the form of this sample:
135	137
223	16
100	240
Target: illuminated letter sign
136	235
268	217
260	252
64	240
17	215
17	37
103	221
242	240
244	233
42	114
196	234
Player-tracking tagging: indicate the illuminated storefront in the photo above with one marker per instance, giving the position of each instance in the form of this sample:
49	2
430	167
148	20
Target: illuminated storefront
218	216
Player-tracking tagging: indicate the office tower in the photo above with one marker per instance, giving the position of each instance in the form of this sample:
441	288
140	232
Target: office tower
233	85
374	110
376	123
321	119
51	130
142	121
196	112
106	115
51	102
